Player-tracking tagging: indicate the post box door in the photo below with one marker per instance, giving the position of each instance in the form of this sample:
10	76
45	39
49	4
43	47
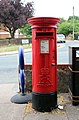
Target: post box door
44	65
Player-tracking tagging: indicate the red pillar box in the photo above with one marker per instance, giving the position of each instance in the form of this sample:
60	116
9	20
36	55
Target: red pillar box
44	63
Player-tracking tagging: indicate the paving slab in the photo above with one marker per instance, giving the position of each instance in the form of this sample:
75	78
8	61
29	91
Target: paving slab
12	111
46	116
72	112
9	110
7	91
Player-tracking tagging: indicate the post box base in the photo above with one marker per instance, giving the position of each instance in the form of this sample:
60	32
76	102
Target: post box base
44	102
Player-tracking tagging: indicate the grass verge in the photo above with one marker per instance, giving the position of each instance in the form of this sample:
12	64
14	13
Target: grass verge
10	48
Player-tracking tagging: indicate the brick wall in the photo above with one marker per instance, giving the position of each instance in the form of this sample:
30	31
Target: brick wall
17	41
63	77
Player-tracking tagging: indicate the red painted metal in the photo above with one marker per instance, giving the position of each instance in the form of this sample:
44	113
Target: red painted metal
44	54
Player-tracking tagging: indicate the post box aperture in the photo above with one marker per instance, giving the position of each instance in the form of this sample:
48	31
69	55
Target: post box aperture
44	63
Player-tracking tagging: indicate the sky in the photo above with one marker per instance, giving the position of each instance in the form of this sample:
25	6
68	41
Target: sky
55	8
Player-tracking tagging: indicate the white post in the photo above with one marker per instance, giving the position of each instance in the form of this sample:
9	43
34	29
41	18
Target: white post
73	22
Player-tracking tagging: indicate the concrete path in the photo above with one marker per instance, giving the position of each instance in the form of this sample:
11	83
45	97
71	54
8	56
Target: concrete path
12	111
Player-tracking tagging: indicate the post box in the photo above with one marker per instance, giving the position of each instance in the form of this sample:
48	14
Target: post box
44	63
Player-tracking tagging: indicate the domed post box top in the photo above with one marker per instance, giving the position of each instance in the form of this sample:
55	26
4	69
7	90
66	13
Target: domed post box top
43	21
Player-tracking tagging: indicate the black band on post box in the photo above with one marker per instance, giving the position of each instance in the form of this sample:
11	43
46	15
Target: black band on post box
44	102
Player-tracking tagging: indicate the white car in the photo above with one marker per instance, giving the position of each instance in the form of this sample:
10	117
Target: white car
61	38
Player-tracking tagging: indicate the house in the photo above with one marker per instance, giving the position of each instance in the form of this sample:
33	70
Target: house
5	34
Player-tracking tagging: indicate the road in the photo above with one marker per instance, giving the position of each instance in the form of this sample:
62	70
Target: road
63	51
8	69
9	63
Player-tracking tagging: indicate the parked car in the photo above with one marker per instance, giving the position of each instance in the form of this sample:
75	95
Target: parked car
61	38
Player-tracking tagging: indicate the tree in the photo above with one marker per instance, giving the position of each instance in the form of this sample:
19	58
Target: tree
26	30
65	28
14	14
62	20
75	18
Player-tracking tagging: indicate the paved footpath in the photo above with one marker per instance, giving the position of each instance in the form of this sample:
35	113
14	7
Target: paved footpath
12	111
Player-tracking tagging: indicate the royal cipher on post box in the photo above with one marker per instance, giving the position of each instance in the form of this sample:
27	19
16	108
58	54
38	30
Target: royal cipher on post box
44	63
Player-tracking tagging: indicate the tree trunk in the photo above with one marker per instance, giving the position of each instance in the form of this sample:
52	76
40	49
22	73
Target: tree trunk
12	33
